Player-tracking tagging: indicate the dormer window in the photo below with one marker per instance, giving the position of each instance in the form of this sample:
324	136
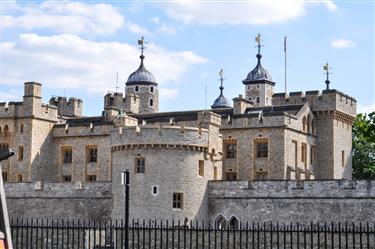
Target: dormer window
137	88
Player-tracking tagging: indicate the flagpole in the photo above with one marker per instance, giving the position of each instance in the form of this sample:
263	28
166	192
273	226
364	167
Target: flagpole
285	64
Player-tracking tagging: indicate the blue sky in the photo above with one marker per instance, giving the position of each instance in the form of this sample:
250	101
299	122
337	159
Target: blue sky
75	48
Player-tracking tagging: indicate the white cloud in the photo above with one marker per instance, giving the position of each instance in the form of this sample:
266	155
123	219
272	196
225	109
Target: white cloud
251	12
166	29
366	108
67	61
240	12
330	5
135	28
154	19
66	17
168	93
343	43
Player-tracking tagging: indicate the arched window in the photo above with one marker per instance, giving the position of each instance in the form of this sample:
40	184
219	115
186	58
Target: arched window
152	89
137	88
308	123
233	223
220	222
304	124
21	128
6	130
151	102
1	131
258	100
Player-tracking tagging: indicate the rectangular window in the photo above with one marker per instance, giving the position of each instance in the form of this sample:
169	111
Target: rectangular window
230	176
91	178
231	150
20	153
262	150
5	176
342	158
140	165
67	178
92	154
303	152
178	199
4	146
19	178
312	155
201	168
295	144
260	176
67	155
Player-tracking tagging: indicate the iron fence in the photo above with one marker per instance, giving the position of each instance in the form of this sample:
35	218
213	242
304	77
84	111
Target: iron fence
155	234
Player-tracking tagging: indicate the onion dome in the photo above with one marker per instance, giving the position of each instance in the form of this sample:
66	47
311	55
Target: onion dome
221	101
141	75
258	73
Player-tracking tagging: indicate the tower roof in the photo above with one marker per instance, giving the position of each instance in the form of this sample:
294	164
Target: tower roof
258	73
221	101
141	75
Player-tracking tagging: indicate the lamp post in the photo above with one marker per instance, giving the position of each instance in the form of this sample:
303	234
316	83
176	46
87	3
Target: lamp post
125	181
4	219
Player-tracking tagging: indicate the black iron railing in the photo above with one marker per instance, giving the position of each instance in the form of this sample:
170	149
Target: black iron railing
155	234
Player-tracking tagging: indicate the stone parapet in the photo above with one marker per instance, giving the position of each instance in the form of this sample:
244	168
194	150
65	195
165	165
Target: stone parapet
341	189
160	135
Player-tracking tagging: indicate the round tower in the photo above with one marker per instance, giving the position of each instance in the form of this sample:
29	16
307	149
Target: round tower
143	84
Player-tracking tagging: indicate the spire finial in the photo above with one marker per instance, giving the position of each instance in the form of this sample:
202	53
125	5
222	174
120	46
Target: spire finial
326	69
141	43
259	45
221	74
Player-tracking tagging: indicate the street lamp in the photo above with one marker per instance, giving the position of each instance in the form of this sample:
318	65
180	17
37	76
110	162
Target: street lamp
125	181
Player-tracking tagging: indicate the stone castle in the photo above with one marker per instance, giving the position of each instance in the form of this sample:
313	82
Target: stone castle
266	151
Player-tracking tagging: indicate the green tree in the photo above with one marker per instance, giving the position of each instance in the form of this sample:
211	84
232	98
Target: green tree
364	146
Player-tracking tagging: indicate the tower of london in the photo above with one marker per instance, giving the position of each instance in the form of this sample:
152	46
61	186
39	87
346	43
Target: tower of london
262	155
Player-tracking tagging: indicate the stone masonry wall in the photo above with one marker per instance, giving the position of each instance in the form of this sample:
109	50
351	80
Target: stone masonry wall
59	200
285	201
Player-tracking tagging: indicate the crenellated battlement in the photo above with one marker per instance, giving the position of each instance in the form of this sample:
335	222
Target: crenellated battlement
90	129
11	109
154	136
328	100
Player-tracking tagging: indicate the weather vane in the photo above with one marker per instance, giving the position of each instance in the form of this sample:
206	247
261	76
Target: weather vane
326	69
141	43
258	41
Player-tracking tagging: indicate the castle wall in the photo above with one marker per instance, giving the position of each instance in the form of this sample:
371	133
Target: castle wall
287	201
247	164
80	139
59	200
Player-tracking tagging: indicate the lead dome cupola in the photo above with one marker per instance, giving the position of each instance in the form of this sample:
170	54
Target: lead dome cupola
141	75
258	73
221	101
